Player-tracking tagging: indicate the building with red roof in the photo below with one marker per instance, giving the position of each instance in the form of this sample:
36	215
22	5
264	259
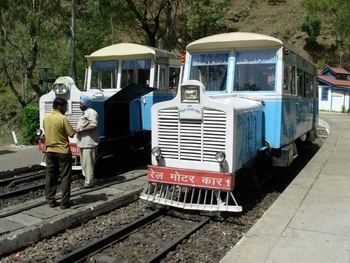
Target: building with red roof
334	89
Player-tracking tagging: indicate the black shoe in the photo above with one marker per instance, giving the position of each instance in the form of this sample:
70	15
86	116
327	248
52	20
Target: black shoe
66	206
53	204
83	187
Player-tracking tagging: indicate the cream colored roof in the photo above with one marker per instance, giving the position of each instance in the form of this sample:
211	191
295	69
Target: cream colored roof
234	40
128	50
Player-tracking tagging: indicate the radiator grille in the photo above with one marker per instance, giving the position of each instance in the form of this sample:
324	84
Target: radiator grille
194	140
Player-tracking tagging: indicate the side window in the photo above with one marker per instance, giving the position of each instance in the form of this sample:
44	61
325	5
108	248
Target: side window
174	77
308	85
292	80
301	83
161	80
286	78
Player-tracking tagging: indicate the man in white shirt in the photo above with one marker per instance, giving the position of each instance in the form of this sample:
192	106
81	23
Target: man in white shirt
87	140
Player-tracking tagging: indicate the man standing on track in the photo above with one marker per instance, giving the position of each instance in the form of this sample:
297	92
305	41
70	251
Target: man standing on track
87	140
58	156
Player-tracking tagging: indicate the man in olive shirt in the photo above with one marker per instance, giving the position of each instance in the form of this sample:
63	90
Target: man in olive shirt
58	156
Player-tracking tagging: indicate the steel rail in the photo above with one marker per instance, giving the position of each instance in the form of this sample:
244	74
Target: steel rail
161	254
119	234
20	178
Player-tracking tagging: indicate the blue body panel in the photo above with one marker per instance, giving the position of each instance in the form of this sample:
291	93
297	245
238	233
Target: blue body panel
99	108
147	104
135	116
286	119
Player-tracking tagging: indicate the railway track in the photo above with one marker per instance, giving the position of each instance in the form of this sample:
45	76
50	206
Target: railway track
184	229
36	191
17	186
20	171
11	180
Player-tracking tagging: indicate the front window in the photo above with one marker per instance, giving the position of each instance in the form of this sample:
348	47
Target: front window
135	71
210	69
255	70
104	74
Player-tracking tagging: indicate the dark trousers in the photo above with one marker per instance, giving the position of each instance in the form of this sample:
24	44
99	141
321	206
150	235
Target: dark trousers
58	164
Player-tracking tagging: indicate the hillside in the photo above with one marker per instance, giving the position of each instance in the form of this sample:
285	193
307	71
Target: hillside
281	20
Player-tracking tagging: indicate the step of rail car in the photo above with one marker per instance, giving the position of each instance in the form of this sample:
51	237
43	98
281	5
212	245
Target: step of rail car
75	162
190	198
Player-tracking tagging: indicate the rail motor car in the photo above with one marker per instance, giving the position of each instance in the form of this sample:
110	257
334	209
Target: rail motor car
123	80
246	97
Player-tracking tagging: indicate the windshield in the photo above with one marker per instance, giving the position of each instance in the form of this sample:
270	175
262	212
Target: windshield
210	69
255	70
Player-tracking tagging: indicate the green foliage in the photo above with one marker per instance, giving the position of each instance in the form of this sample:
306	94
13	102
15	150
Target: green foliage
343	109
342	23
30	122
312	26
337	11
322	64
206	18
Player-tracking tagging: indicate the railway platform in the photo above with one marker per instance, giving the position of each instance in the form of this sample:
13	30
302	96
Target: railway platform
20	227
310	220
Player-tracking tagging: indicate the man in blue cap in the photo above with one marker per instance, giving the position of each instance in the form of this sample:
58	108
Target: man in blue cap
87	140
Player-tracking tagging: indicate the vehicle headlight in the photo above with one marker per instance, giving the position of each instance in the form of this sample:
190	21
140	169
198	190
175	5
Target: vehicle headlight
156	152
60	88
40	135
39	132
190	94
220	157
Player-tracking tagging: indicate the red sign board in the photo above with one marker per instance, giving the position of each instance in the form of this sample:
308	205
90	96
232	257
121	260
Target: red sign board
73	148
194	178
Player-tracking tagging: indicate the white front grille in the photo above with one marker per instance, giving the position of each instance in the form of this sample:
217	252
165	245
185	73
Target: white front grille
193	140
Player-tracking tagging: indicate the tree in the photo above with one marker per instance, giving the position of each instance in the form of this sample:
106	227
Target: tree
207	17
73	58
312	26
20	39
148	13
8	46
338	12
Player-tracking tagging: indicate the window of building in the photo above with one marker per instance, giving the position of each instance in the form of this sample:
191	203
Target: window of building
324	96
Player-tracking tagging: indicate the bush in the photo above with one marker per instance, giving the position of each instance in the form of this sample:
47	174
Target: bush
343	109
312	26
30	121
